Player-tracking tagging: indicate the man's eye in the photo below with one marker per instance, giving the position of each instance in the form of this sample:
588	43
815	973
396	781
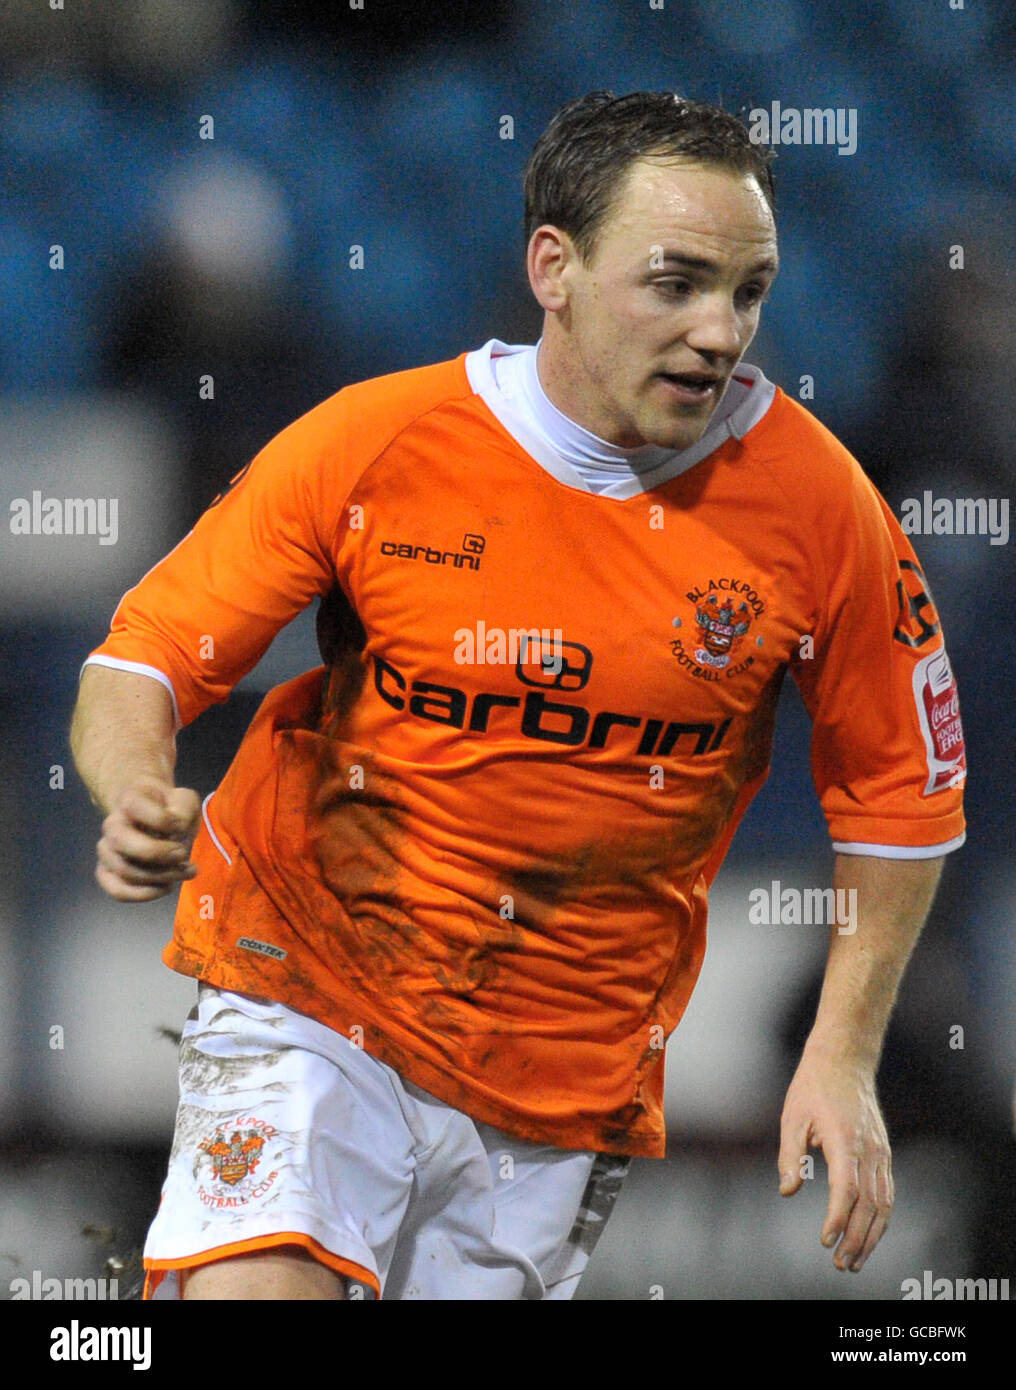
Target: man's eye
673	286
753	294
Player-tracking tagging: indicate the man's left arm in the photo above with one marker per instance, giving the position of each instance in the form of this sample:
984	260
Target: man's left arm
831	1103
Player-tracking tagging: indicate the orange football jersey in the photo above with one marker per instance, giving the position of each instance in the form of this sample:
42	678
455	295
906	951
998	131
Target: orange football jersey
478	839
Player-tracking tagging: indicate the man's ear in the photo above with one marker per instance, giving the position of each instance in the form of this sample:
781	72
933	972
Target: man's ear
548	257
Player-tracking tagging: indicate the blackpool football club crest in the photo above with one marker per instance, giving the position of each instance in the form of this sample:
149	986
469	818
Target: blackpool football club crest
721	627
723	611
233	1154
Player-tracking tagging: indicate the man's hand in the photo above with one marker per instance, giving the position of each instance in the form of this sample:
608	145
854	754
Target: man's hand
124	746
146	840
831	1104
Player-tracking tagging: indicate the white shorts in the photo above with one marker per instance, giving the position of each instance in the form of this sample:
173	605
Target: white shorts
288	1134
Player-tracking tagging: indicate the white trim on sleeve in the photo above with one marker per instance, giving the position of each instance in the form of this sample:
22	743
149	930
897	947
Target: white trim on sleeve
140	669
215	839
901	851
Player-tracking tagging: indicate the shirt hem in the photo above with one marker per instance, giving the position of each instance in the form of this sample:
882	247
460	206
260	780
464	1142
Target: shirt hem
588	1136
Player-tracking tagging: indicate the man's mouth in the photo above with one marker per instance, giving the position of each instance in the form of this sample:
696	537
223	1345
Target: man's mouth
692	387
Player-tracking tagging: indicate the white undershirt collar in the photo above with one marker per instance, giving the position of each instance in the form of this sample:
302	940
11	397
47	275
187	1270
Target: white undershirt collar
506	378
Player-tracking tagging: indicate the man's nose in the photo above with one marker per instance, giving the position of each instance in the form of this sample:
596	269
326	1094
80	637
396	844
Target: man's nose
716	327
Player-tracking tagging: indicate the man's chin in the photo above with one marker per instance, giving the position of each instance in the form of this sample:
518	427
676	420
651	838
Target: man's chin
680	434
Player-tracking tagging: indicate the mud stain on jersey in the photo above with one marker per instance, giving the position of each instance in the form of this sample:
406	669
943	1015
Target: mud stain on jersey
650	860
355	823
359	841
616	1126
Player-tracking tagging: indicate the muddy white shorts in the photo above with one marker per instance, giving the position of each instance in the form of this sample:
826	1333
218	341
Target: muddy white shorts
288	1134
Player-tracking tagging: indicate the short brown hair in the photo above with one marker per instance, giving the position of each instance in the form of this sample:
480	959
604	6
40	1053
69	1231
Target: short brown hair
580	160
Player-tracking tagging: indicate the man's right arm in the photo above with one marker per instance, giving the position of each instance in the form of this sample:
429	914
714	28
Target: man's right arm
202	617
124	746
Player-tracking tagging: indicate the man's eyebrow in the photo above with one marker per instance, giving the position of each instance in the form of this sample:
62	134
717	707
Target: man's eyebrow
766	265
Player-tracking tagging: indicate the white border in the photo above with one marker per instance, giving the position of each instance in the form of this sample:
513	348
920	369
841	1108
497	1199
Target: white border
139	668
901	851
215	839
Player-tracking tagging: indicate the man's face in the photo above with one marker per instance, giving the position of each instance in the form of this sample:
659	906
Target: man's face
650	330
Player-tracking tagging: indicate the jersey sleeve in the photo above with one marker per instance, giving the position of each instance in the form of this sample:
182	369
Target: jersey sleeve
206	613
888	755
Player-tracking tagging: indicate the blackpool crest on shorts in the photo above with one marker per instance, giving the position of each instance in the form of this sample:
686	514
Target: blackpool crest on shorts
235	1152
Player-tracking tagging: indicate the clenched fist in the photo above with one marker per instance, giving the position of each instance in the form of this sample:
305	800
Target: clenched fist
146	841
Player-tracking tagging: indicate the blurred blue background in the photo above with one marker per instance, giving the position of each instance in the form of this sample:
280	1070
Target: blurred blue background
229	258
